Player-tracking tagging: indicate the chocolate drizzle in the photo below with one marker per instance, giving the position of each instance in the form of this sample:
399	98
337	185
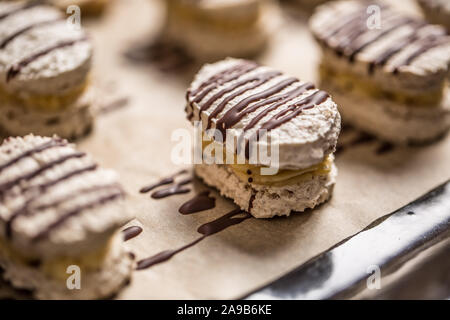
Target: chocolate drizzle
286	115
131	232
208	229
220	78
64	217
47	145
8	185
200	202
14	70
162	182
164	256
256	81
240	110
349	36
177	188
25	6
10	38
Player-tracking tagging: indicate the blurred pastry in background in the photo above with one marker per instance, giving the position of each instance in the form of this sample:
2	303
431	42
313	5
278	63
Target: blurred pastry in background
245	101
60	216
388	81
88	7
436	11
306	5
215	29
44	72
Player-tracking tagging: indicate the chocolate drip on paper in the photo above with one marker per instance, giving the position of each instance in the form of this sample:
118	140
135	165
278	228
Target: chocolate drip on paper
14	70
177	188
164	55
113	106
162	182
10	38
208	229
199	203
131	232
164	256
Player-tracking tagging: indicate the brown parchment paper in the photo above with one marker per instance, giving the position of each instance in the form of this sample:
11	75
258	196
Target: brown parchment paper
136	141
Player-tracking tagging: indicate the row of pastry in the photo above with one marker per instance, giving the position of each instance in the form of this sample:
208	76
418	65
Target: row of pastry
58	208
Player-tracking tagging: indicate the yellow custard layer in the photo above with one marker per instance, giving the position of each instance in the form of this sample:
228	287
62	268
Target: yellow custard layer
283	177
349	82
185	12
45	103
56	268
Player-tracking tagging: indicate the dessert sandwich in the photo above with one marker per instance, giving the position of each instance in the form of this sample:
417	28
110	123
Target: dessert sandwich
389	80
436	11
59	213
44	72
210	30
242	99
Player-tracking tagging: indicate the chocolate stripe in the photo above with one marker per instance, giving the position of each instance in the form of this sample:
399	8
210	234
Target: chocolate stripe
8	185
426	45
7	40
316	98
14	70
63	218
258	81
25	210
235	114
27	5
223	77
282	100
288	114
47	145
358	47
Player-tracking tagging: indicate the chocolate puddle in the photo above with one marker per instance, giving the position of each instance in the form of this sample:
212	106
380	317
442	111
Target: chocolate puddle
199	203
131	232
165	56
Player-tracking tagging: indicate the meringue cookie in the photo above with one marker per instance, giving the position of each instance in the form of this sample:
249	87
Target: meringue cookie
44	67
403	63
211	30
240	99
59	209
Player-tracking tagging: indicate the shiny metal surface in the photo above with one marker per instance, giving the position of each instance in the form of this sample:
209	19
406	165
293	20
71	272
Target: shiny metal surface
344	270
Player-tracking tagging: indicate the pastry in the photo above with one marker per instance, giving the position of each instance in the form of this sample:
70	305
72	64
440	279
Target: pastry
210	30
389	81
58	210
436	11
242	99
44	72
